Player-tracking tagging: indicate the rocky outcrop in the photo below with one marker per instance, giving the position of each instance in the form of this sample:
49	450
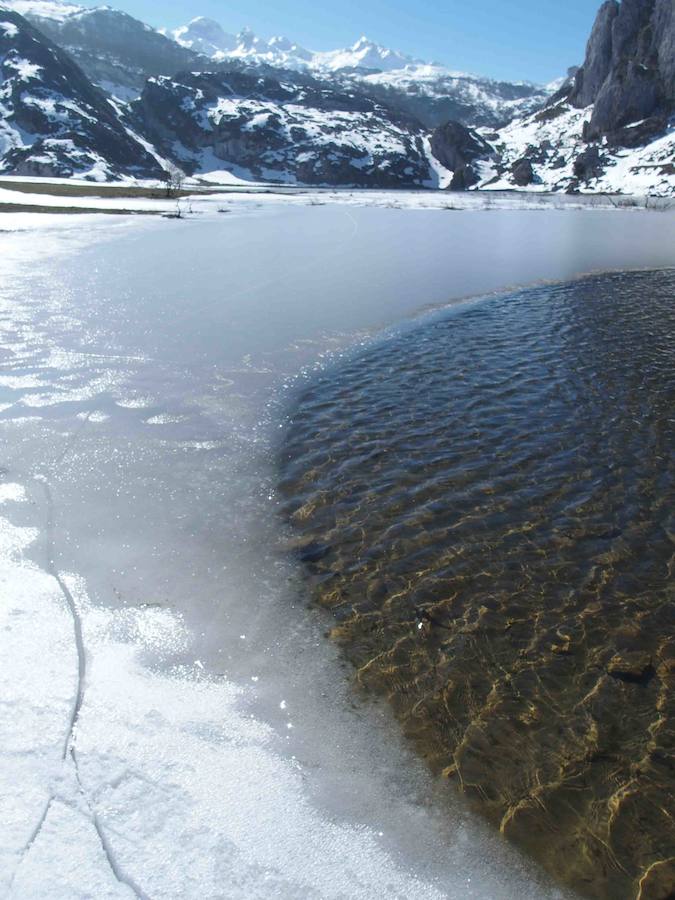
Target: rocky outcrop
589	164
454	145
523	172
629	71
53	121
286	127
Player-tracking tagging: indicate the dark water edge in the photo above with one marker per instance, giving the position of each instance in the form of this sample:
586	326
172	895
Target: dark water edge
486	505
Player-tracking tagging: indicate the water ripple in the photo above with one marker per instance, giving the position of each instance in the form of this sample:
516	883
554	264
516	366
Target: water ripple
486	505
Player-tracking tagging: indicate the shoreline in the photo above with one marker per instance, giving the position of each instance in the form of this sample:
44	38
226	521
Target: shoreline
52	196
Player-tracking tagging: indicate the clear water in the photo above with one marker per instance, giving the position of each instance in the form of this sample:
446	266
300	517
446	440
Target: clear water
485	505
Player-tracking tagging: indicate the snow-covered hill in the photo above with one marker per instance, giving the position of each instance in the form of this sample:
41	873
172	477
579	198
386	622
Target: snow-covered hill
365	115
57	10
208	37
119	53
293	131
53	121
610	127
364	54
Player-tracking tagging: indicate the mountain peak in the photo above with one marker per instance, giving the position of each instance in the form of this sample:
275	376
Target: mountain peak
204	35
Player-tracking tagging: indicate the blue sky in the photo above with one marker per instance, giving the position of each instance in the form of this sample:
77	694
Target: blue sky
521	39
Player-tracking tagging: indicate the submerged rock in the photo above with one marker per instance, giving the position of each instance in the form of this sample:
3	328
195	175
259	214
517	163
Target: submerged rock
633	667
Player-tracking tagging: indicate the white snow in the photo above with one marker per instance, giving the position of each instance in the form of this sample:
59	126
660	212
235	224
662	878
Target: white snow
160	762
26	69
641	171
44	9
365	54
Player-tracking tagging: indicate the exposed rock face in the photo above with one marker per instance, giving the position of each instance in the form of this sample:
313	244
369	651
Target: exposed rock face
589	164
591	76
454	145
629	71
289	129
608	128
458	148
522	171
53	121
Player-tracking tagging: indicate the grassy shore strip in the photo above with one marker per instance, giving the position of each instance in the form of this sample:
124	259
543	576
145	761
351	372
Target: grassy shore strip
108	191
70	210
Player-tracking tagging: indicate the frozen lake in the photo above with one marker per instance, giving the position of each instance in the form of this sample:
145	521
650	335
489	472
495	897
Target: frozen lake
204	741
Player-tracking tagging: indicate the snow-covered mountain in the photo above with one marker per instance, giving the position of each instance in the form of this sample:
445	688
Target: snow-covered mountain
364	54
431	93
285	130
116	51
435	95
204	36
250	119
208	37
119	53
53	121
56	10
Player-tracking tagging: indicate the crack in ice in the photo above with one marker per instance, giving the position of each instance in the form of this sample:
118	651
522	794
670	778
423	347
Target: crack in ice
69	749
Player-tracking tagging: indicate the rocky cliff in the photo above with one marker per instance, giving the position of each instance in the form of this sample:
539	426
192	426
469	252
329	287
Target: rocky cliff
629	71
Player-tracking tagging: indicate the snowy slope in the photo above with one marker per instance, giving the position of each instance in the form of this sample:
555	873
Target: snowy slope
208	37
119	52
116	51
364	54
552	142
52	120
611	126
435	95
273	129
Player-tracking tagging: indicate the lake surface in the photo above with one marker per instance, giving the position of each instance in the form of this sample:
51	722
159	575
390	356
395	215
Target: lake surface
145	371
487	508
